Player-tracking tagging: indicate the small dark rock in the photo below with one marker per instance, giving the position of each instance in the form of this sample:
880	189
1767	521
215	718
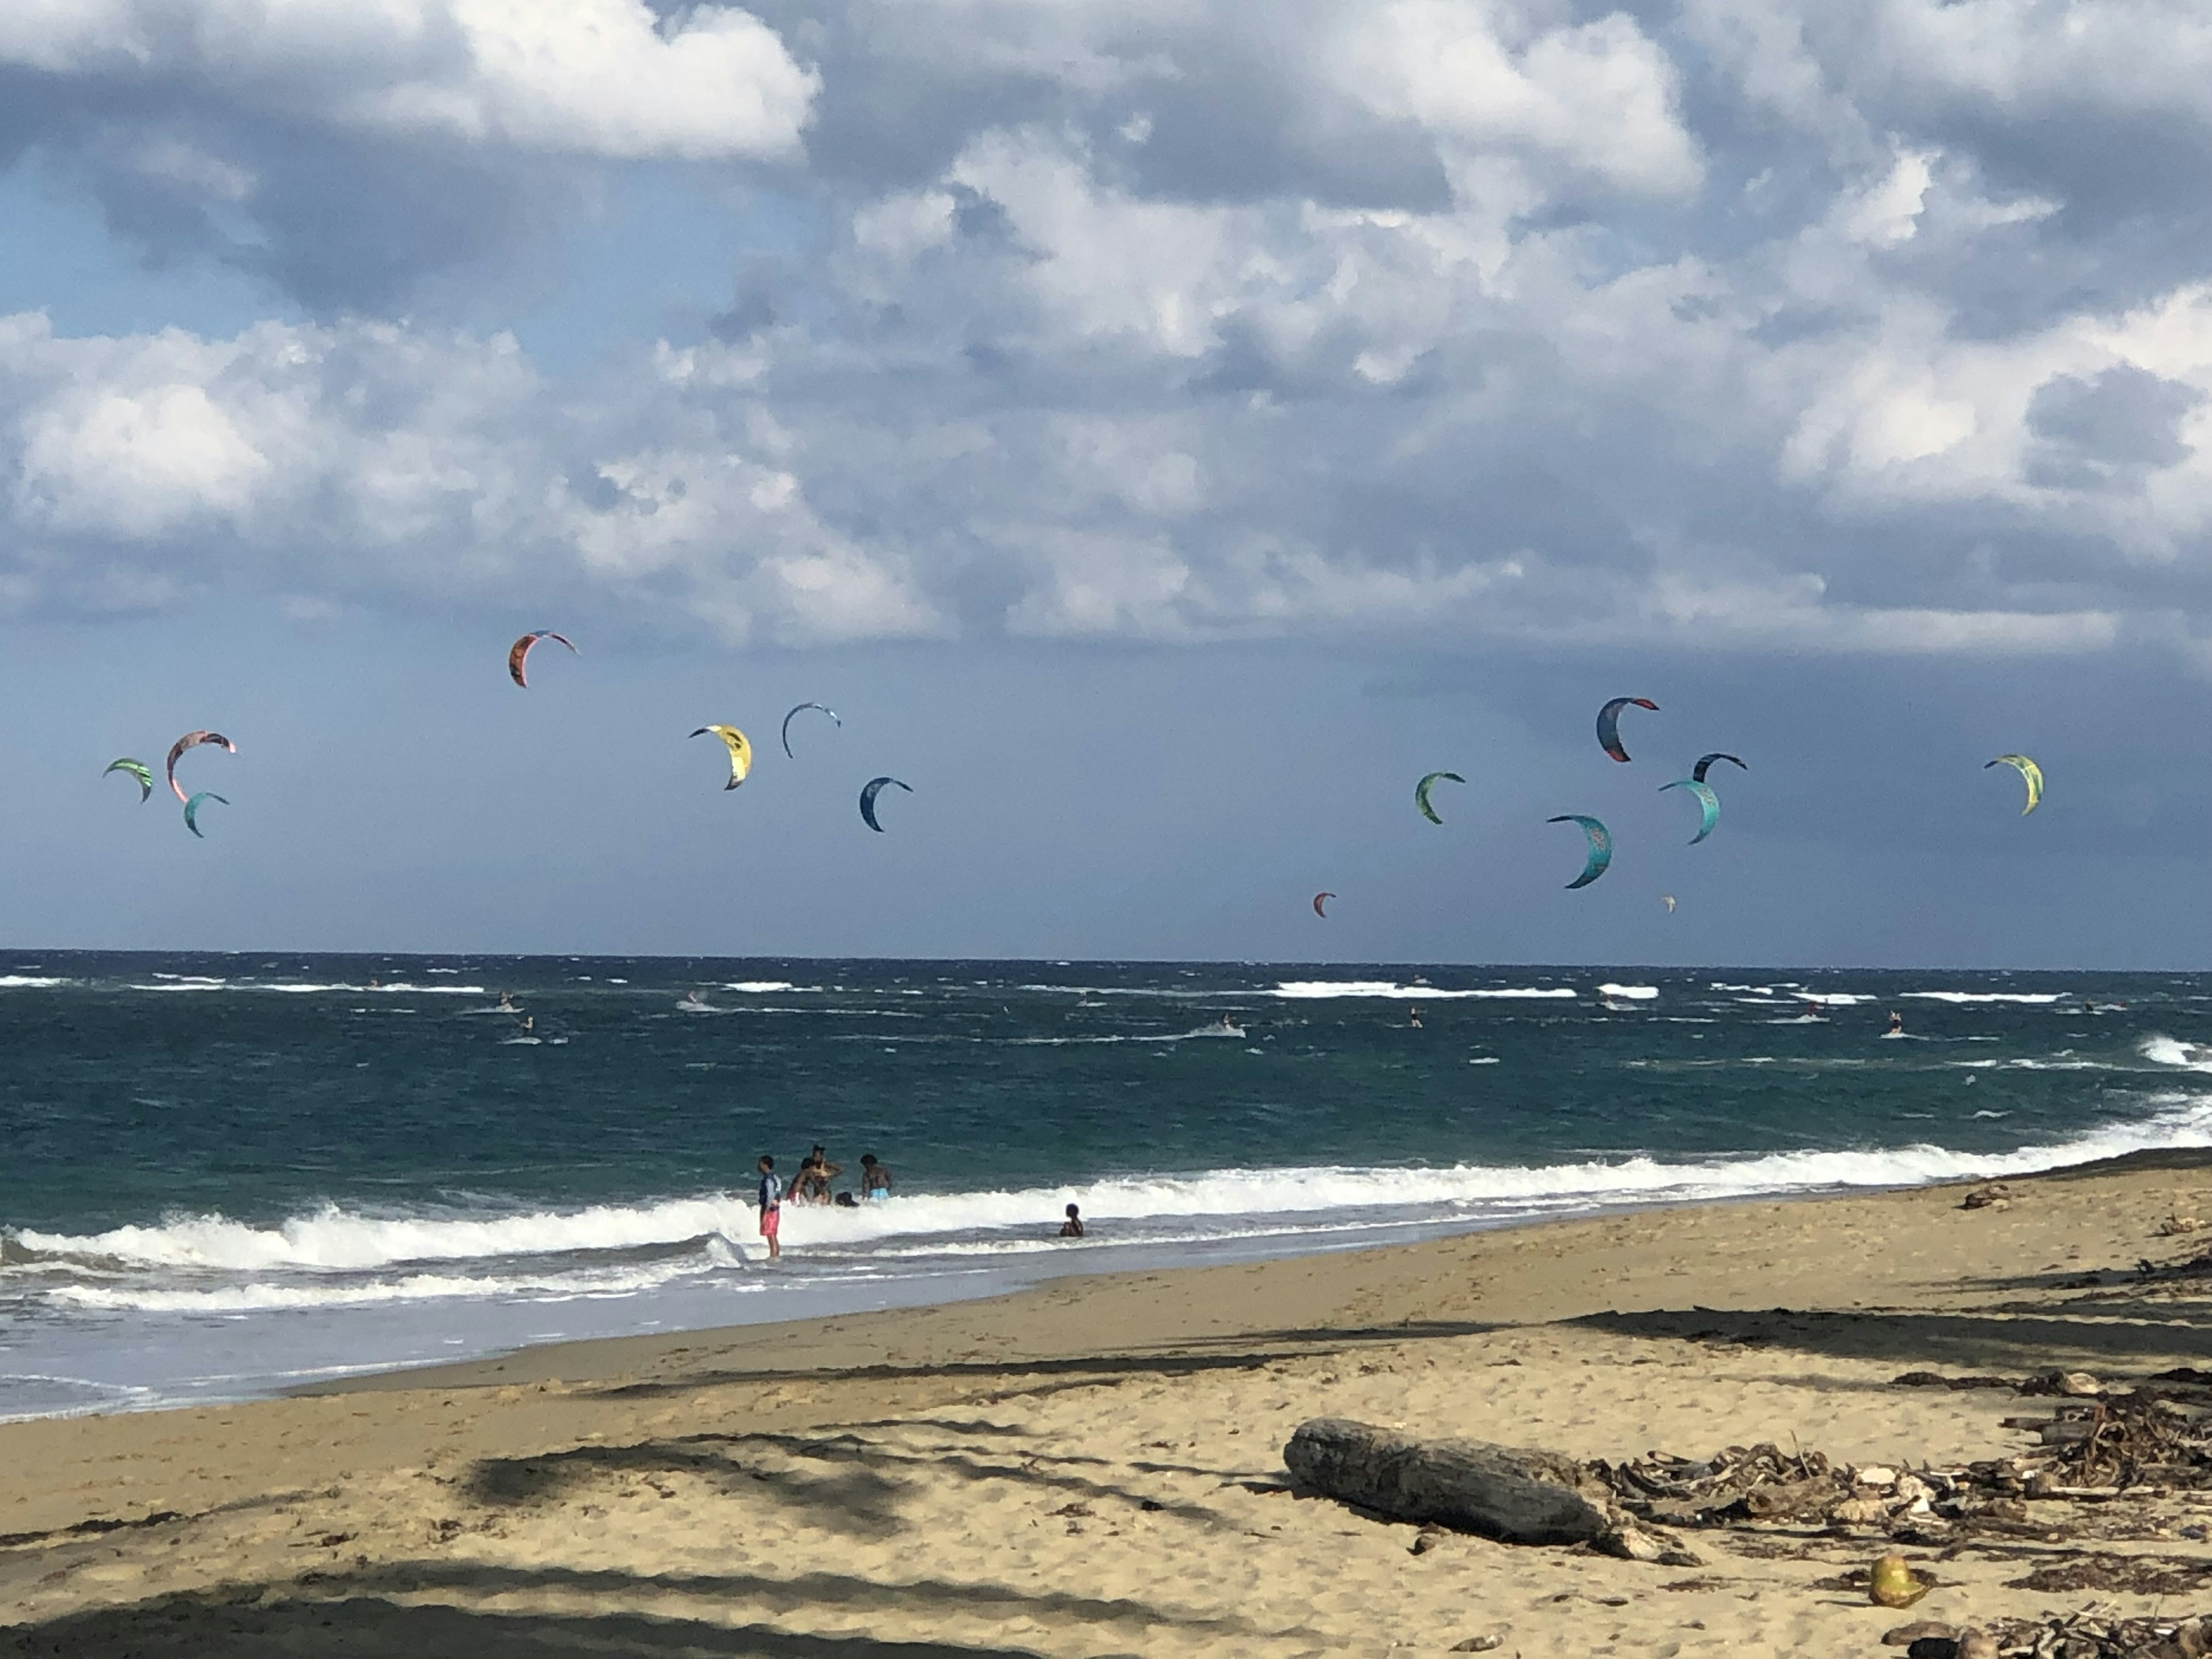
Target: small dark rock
1920	1629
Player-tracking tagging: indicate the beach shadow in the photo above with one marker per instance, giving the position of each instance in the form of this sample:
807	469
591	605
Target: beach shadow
368	1628
1188	1357
859	1503
1027	1471
2019	1343
799	1591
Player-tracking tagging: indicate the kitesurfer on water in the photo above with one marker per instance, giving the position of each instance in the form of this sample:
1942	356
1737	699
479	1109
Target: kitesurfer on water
771	1205
1896	1024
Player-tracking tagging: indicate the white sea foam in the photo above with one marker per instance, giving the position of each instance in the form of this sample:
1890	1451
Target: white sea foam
260	1297
760	987
2165	1051
1317	990
2026	999
1629	992
1833	999
30	982
337	1239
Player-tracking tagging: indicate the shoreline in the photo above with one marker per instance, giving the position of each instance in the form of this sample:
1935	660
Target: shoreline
1094	1464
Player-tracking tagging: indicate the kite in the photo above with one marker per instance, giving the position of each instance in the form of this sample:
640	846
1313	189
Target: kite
1608	724
520	651
2030	772
1319	900
869	791
1698	772
193	740
741	752
137	769
824	707
1667	899
1708	803
1600	848
192	811
1421	793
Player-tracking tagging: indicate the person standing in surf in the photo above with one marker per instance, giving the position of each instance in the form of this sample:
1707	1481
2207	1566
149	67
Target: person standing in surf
771	1205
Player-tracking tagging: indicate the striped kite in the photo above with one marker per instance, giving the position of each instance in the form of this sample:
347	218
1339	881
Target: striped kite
137	769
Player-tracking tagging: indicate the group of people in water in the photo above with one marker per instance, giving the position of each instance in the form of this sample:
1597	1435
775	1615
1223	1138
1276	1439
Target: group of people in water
812	1185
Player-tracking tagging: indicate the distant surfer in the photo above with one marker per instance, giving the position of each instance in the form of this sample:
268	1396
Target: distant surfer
1896	1025
1413	1017
507	1002
1073	1227
1229	1027
875	1179
693	1003
771	1205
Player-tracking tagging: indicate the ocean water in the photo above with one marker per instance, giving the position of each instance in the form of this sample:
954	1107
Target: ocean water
220	1175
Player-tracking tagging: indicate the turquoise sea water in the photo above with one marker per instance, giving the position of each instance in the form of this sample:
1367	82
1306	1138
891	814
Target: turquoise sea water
220	1174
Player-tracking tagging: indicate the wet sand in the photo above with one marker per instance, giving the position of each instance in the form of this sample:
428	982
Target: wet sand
1095	1466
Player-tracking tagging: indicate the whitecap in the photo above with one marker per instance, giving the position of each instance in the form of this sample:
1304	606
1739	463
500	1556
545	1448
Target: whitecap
1316	990
2026	999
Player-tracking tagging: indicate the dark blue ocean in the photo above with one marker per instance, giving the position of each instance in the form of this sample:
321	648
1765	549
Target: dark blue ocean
220	1175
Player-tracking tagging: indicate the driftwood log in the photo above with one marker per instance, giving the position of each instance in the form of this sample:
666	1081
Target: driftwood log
1498	1492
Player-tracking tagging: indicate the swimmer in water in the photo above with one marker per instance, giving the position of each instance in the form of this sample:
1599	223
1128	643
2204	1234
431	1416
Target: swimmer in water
1073	1227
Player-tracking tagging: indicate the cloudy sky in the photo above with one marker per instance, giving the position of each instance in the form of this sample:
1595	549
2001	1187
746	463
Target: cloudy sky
1163	428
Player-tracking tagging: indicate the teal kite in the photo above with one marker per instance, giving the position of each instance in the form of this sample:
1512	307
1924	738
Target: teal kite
192	811
1600	848
137	769
1708	803
1421	793
2031	775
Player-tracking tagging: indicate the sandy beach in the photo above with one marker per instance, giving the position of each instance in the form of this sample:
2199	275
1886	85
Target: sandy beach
1096	1465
